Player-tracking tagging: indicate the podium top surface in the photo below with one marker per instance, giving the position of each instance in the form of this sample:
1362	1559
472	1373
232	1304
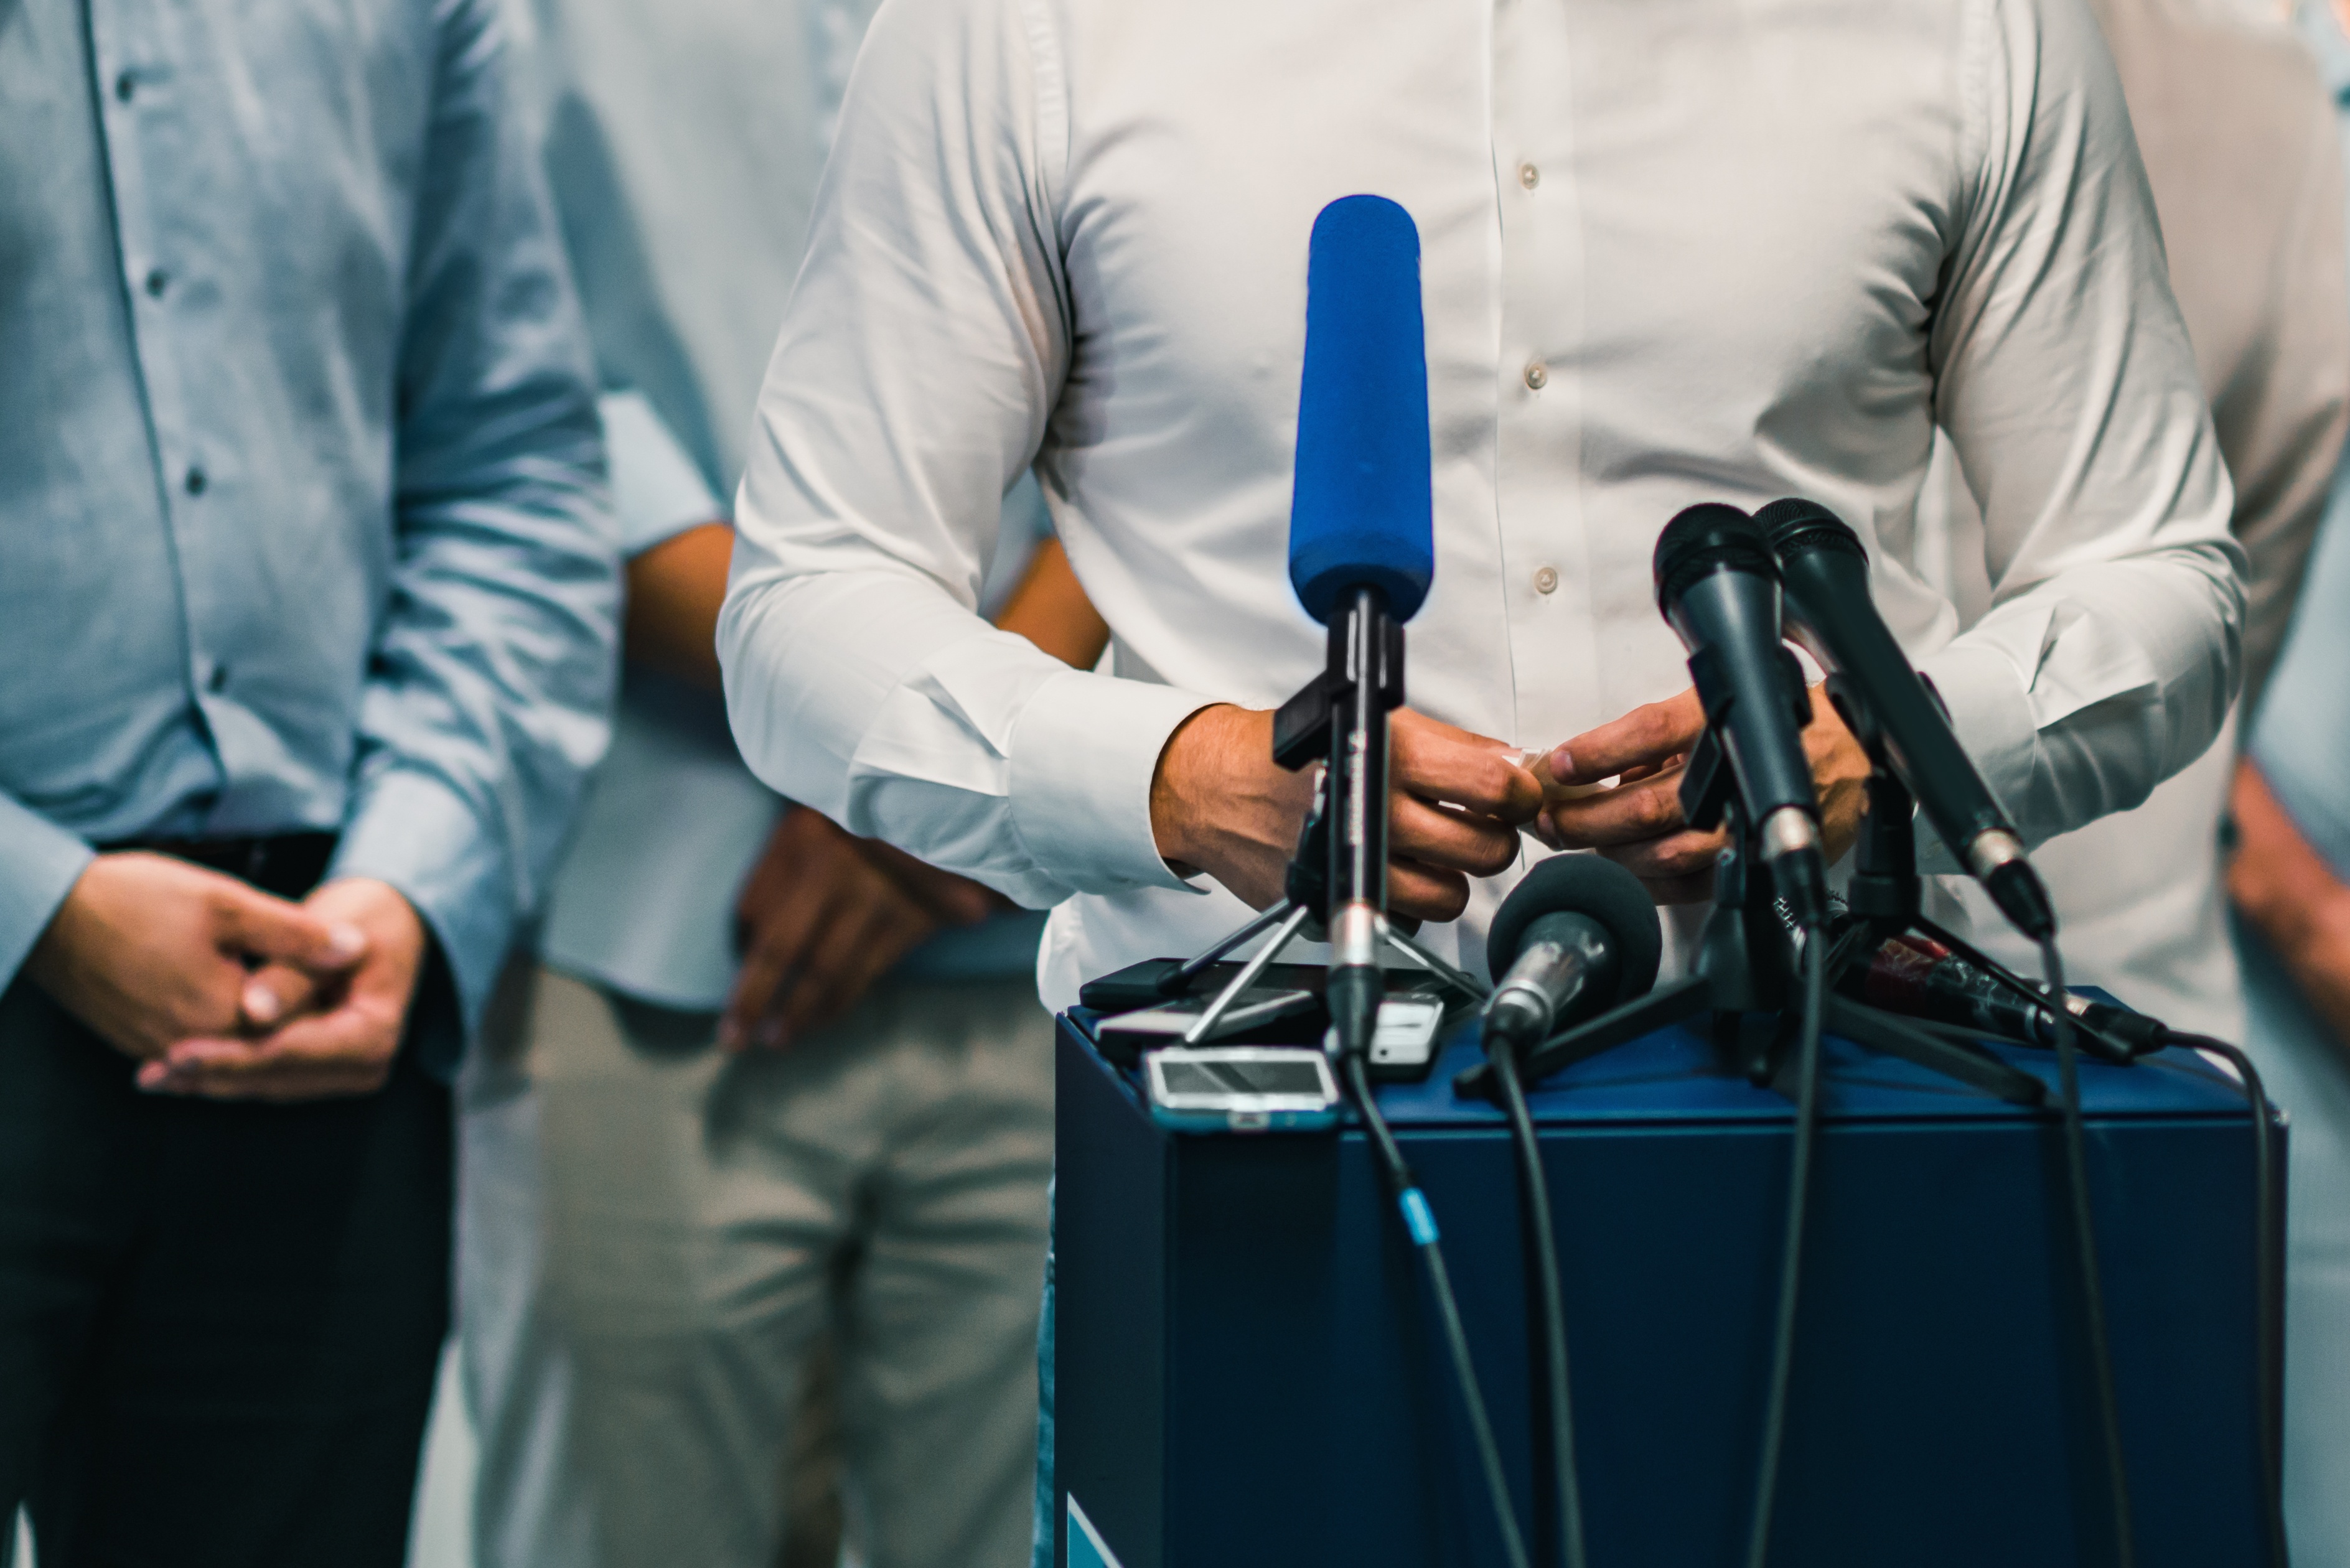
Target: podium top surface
1675	1076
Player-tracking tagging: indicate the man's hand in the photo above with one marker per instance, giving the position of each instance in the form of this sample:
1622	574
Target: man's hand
1638	823
148	950
336	1036
1219	803
824	915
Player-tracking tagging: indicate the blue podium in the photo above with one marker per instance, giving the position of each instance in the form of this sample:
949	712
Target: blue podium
1248	1371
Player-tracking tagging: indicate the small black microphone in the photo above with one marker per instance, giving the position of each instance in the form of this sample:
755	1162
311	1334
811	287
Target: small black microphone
1919	978
1579	935
1719	588
1830	611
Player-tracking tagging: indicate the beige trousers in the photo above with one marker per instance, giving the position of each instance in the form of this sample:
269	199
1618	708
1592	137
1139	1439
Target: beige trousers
651	1233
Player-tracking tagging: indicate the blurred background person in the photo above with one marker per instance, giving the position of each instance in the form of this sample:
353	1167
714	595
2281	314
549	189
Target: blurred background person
2290	878
307	593
703	1133
2238	136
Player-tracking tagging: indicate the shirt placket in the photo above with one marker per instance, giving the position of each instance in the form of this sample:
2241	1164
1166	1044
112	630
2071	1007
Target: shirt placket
143	112
1538	445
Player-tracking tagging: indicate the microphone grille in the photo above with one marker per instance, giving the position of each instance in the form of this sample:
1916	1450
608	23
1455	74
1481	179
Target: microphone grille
1584	885
1795	527
1706	538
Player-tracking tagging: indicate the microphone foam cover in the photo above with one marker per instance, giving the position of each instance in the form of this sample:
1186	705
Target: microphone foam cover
1701	538
1591	886
1360	513
1795	527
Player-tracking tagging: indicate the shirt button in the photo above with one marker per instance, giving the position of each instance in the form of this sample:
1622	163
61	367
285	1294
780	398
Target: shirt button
218	679
1546	579
124	86
158	280
1537	376
1529	176
196	481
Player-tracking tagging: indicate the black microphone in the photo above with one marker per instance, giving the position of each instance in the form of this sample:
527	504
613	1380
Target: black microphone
1830	611
1719	588
1578	936
1919	978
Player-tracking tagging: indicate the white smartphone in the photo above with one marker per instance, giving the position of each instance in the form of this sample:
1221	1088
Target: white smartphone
1241	1088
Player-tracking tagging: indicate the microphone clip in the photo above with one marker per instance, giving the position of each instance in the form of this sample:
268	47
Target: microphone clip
1364	640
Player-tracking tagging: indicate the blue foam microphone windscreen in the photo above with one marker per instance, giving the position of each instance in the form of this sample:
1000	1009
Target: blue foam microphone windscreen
1360	513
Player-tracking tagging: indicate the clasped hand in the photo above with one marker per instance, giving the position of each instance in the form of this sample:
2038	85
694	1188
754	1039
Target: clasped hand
1220	805
222	991
1637	821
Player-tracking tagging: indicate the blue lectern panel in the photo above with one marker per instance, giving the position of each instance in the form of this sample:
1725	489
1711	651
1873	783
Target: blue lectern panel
1248	1373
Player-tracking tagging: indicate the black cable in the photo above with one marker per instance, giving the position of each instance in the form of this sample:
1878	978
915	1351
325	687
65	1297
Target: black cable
1419	1221
1791	1260
2085	1235
2268	1244
1542	1244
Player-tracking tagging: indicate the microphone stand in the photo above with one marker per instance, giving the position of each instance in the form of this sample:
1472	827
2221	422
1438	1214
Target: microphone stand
1336	889
1340	721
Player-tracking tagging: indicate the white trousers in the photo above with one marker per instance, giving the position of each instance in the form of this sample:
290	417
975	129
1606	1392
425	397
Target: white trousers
652	1234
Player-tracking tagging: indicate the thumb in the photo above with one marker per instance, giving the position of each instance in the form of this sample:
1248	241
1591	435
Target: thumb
257	926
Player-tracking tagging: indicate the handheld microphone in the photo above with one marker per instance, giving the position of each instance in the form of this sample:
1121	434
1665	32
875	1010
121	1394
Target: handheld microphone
1829	611
1718	588
1920	977
1578	936
1362	551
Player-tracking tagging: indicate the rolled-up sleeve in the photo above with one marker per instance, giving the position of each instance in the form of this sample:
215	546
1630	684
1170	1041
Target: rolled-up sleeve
921	357
490	675
2069	391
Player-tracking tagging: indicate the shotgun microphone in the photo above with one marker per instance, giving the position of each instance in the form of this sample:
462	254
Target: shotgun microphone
1362	551
1831	613
1718	588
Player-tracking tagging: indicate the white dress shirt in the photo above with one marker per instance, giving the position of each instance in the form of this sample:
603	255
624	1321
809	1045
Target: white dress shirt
2239	138
1719	250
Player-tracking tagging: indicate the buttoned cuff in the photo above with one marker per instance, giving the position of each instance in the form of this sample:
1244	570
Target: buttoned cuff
1991	710
1082	760
39	864
412	831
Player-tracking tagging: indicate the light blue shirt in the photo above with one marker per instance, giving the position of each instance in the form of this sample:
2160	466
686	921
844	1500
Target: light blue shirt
685	141
302	513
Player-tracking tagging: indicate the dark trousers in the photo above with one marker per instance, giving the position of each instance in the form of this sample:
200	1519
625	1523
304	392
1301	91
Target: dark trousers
218	1321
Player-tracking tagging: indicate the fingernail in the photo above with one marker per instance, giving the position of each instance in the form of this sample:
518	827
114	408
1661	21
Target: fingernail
346	941
261	1003
151	1076
774	1036
1562	763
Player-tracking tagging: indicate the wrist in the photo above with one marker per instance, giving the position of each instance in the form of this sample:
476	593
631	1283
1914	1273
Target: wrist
1189	779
